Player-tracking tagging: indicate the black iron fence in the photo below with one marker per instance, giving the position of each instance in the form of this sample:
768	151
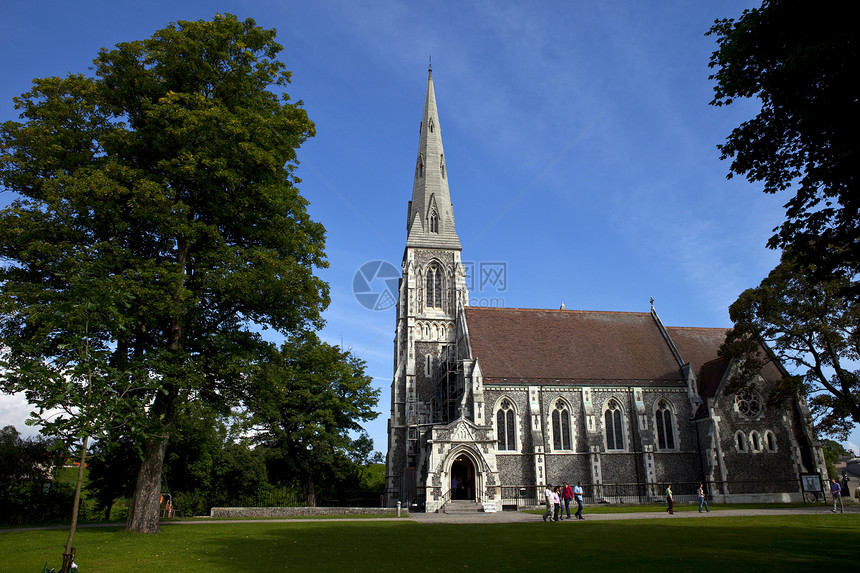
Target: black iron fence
639	493
514	497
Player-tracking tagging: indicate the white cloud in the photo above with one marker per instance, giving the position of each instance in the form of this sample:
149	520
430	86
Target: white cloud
14	410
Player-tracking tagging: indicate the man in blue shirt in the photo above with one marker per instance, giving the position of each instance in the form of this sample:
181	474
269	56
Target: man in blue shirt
577	495
836	492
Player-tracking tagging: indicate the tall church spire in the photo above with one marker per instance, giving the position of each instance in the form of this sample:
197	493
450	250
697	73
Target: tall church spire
430	222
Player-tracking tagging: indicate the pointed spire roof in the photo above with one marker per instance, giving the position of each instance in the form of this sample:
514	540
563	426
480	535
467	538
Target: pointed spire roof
430	221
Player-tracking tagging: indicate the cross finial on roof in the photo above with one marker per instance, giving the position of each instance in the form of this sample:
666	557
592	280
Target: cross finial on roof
430	63
652	303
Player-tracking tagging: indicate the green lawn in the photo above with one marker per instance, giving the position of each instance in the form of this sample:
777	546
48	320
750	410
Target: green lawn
712	543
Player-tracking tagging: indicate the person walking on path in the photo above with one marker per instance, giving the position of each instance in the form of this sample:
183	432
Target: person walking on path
577	495
556	500
836	492
671	509
547	493
567	495
702	500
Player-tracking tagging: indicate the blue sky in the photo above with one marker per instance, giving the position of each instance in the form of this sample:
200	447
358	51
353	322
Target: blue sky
580	146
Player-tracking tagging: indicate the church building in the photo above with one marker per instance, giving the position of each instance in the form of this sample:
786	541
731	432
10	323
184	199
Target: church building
490	404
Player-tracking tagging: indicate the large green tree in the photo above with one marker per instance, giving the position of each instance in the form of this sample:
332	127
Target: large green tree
800	59
309	400
810	324
160	188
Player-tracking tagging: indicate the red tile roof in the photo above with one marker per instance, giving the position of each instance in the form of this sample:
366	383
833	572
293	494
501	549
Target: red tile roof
571	346
697	346
710	376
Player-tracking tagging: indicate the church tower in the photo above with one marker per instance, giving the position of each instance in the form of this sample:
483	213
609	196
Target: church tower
432	291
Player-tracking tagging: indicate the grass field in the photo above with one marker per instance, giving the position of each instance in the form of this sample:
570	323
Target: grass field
712	543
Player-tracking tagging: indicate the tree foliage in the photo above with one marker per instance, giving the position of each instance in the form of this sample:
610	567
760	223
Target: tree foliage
800	58
309	400
832	452
112	469
27	492
811	324
77	378
211	462
157	221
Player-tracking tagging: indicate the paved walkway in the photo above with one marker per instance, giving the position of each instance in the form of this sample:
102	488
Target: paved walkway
497	517
520	517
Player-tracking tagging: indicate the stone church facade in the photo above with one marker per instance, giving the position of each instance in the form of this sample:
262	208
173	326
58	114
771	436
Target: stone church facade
490	404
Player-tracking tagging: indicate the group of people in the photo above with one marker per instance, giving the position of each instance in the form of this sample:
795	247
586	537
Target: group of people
557	495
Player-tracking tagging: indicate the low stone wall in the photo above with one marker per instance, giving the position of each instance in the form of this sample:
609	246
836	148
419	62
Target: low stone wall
233	512
758	498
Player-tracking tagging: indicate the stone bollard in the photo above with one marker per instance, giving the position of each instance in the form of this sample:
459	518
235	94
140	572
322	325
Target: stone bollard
398	509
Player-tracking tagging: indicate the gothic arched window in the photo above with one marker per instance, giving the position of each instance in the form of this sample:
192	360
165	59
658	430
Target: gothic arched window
561	427
665	428
770	439
506	430
434	222
614	426
442	165
740	441
433	286
755	438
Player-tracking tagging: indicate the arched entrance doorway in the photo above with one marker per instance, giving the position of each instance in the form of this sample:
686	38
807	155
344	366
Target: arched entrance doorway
463	478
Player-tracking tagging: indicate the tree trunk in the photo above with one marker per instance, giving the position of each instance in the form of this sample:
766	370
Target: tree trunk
69	555
146	503
311	493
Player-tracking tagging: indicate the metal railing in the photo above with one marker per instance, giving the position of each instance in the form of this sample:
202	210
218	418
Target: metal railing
515	497
639	493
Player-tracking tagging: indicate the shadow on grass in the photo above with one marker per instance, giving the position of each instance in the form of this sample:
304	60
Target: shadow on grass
710	544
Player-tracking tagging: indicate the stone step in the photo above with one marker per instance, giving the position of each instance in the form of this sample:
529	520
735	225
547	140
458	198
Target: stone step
461	506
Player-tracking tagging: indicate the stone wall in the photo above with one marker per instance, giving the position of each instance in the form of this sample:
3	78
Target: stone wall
234	512
570	468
